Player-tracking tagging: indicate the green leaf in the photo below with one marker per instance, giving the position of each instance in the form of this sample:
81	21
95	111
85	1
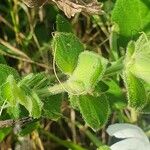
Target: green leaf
132	16
17	111
4	132
29	128
115	95
100	88
52	107
95	110
5	71
15	95
35	81
66	49
89	71
135	90
74	101
12	93
140	60
136	70
146	109
2	60
104	147
62	24
36	105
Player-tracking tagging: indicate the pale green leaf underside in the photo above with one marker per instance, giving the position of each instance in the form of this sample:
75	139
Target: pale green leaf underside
89	71
138	58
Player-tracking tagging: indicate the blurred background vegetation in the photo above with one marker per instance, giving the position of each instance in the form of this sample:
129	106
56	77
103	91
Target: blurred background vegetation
25	44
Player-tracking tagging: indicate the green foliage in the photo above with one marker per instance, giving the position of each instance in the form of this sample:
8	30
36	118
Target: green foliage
105	147
2	60
95	110
74	101
5	71
52	107
66	49
136	70
100	82
115	95
62	24
89	71
140	59
136	92
131	17
29	128
14	95
4	132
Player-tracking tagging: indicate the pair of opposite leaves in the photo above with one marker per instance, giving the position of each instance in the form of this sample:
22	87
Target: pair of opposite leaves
70	7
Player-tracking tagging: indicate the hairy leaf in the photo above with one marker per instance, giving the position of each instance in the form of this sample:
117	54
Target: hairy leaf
15	95
135	90
132	16
66	49
95	110
115	95
5	71
89	71
137	69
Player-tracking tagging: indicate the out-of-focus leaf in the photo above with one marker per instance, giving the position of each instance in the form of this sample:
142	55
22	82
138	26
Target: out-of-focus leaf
2	60
115	95
5	71
4	132
74	100
29	128
62	24
104	147
132	16
41	33
100	88
52	107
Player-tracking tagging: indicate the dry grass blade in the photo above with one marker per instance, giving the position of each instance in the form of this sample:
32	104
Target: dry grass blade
34	3
13	49
11	122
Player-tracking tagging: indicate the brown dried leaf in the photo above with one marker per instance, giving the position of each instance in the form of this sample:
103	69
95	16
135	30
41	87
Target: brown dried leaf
71	7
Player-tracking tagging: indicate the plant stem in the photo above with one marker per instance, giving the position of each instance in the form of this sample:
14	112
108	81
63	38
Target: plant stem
52	90
115	67
65	143
134	116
